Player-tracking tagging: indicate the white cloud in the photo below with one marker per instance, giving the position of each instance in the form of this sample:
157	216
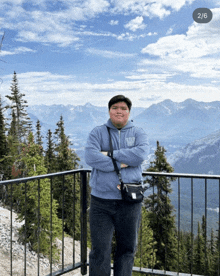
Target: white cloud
169	32
114	22
109	54
149	8
17	51
43	25
136	24
73	92
196	52
47	21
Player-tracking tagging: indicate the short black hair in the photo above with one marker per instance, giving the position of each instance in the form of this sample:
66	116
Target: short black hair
120	98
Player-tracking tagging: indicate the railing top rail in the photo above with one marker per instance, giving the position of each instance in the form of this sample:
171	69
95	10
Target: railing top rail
180	175
25	179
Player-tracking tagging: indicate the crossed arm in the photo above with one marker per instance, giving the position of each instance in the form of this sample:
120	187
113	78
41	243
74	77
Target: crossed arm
122	164
124	157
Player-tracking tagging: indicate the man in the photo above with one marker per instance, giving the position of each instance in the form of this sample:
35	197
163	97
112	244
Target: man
108	212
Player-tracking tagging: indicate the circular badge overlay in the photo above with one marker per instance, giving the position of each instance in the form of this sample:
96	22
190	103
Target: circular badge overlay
202	15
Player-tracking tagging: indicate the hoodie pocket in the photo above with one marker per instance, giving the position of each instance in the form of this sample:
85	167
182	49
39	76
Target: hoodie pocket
106	181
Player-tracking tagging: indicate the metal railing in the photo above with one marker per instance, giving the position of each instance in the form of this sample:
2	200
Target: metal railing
185	193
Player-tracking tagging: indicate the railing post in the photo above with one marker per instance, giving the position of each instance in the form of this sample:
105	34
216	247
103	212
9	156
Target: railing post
83	210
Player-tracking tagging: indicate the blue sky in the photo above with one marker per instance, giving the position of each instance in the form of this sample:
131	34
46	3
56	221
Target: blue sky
79	51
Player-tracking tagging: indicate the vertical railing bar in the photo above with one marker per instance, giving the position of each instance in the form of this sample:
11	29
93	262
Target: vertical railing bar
74	218
192	236
25	227
51	222
153	232
83	193
178	225
38	231
219	231
206	200
63	199
141	233
166	241
11	232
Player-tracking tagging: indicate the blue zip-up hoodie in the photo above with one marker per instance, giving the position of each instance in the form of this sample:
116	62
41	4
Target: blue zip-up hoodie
130	146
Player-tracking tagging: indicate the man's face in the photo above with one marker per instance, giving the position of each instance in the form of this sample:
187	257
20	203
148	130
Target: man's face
119	114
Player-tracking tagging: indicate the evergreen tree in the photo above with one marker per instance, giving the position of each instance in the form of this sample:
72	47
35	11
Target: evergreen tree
184	250
39	137
50	157
21	124
14	148
66	159
3	141
211	255
199	256
28	209
161	219
205	246
4	161
12	130
217	256
146	250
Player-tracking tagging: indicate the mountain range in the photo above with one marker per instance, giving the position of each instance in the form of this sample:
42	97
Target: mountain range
174	125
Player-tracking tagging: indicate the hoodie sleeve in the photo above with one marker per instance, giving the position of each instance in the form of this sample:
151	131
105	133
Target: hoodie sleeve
136	155
93	155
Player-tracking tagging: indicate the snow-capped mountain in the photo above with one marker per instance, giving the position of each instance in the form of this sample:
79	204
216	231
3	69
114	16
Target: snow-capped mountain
201	156
173	124
180	123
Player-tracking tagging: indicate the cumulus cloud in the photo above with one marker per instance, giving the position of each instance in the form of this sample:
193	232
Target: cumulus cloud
136	24
149	8
47	21
114	22
194	52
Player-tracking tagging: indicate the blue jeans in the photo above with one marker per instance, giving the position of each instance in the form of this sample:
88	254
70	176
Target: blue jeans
107	216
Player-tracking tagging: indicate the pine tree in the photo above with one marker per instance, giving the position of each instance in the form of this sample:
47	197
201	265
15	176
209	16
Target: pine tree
3	140
162	220
66	159
206	250
211	255
22	124
184	251
217	256
4	150
39	137
199	256
28	209
146	249
50	157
